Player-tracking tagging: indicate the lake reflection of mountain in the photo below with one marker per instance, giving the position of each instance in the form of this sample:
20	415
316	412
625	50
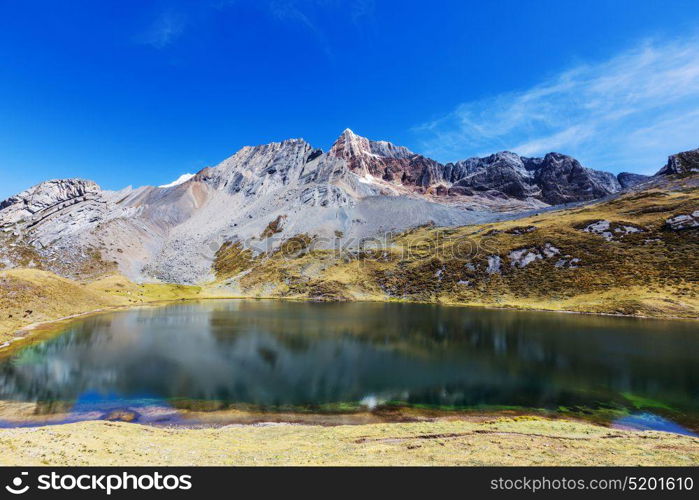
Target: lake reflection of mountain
273	354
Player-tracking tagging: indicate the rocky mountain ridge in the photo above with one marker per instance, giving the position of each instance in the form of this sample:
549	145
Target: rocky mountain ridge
553	179
357	190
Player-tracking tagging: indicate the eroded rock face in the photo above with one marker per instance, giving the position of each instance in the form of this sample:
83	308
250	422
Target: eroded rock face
563	180
46	197
553	179
683	163
503	172
57	222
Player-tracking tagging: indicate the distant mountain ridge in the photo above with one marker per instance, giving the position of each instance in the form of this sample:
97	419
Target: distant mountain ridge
553	179
358	189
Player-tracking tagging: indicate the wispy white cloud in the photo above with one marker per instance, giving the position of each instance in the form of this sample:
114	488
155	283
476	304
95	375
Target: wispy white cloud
306	13
363	14
172	23
167	27
625	113
297	12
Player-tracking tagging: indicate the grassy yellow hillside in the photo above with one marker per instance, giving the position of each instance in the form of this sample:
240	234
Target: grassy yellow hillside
29	296
617	257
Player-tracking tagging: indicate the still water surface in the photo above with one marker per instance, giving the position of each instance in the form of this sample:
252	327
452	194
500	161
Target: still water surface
274	356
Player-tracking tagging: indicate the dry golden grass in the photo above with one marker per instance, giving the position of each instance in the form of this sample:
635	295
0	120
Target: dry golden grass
29	296
650	273
518	441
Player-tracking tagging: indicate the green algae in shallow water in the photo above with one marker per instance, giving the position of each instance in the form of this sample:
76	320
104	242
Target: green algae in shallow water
598	415
212	406
455	408
640	402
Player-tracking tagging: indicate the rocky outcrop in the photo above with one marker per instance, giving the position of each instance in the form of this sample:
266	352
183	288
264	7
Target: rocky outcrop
683	221
601	228
611	231
685	163
45	198
521	230
568	262
522	257
494	264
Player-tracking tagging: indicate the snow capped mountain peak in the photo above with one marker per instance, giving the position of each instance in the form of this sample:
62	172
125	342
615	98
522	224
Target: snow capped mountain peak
180	180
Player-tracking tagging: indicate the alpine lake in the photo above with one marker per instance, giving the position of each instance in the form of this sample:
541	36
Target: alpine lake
221	362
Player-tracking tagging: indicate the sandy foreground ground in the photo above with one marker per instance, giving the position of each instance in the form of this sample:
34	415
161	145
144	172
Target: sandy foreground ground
500	441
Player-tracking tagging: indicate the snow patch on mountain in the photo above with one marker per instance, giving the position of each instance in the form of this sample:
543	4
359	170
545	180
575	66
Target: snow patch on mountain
180	180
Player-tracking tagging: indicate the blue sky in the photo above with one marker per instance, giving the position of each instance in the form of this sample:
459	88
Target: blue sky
131	92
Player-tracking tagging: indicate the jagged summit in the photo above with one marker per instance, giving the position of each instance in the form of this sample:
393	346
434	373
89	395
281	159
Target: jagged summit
350	144
553	179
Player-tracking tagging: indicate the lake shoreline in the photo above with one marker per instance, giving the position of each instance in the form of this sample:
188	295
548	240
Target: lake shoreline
17	414
26	331
343	433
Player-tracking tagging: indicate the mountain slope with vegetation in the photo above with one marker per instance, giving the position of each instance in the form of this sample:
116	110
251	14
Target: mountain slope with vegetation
30	296
635	254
